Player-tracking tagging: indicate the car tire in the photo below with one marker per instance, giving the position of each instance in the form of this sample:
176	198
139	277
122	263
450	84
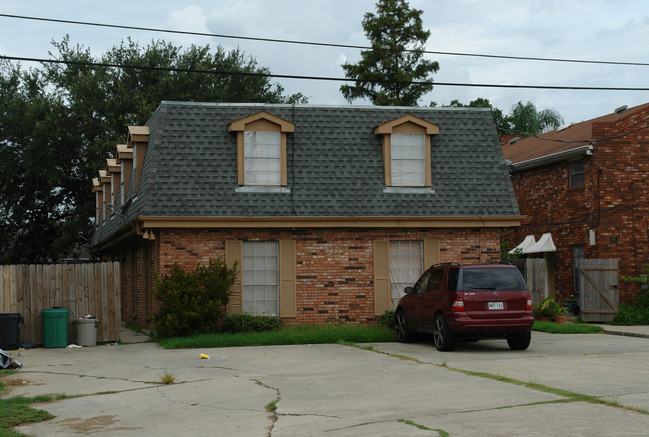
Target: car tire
443	337
401	331
519	342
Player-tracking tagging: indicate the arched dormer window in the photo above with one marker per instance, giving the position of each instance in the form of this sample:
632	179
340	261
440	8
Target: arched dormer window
261	149
407	151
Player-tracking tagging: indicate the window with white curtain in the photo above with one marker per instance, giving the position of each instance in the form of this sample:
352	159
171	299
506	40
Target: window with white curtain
406	266
408	159
262	157
260	278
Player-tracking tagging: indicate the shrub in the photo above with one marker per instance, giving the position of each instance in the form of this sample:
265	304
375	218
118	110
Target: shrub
193	302
638	312
387	319
236	323
631	315
548	308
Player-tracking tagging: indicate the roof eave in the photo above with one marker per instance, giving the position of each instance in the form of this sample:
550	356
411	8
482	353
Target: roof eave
330	222
555	157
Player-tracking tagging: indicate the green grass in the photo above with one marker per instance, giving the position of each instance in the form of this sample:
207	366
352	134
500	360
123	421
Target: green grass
303	334
566	328
17	410
318	334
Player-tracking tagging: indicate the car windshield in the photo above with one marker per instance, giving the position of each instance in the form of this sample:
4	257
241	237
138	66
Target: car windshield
498	279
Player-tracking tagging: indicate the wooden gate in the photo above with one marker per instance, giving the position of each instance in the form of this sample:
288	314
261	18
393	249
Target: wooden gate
599	298
533	270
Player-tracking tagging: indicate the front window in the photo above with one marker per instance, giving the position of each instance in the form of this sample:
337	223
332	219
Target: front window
262	151
406	265
260	278
577	173
408	160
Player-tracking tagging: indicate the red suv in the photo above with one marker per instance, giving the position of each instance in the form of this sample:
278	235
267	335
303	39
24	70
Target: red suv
455	302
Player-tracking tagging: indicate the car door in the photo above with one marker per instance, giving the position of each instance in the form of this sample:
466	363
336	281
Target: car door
431	300
411	302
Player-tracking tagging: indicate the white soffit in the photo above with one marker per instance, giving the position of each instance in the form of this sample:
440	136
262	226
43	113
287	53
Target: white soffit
545	244
529	241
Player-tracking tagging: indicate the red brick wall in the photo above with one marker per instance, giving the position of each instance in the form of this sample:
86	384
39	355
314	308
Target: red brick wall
334	267
614	202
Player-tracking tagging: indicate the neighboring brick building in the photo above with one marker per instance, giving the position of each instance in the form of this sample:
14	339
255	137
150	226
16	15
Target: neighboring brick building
586	184
331	211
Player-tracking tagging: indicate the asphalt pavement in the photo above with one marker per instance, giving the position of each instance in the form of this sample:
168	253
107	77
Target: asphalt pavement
383	389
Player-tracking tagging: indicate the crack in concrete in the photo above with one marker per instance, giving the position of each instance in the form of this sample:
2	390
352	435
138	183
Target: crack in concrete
271	407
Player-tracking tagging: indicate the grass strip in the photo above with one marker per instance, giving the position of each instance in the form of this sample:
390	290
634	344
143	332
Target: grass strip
569	395
303	334
566	328
441	432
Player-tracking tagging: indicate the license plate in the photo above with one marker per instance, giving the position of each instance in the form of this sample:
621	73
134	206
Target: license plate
496	306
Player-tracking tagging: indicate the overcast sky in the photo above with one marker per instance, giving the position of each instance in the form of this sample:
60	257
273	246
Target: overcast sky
609	30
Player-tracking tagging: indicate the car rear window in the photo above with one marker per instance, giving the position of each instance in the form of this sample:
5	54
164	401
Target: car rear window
499	279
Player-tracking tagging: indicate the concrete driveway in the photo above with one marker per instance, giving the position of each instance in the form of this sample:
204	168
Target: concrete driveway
336	390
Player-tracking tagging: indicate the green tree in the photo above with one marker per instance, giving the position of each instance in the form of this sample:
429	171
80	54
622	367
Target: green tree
499	118
385	74
59	123
39	170
525	119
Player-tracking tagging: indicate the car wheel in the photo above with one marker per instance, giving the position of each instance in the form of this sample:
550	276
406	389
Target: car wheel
443	337
401	331
519	342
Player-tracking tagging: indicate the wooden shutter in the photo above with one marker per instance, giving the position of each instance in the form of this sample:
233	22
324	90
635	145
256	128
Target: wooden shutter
233	254
287	279
431	253
381	277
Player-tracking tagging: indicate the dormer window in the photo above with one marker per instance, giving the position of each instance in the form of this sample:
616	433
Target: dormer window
408	155
137	139
262	158
407	151
261	149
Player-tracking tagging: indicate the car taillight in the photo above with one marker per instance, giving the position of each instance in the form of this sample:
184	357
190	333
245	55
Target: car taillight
528	306
458	304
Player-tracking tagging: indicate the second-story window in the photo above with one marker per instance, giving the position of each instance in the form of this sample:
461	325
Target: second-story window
262	152
407	151
576	173
408	160
261	149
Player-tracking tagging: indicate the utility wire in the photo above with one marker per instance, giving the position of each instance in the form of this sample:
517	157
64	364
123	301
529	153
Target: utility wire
323	78
321	44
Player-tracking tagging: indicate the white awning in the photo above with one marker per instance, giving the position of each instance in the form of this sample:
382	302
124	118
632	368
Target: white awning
529	241
545	244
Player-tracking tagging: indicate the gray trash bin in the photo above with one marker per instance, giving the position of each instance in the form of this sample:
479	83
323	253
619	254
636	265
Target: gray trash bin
86	331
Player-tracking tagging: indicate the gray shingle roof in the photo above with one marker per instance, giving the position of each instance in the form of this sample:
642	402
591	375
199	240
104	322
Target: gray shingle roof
335	164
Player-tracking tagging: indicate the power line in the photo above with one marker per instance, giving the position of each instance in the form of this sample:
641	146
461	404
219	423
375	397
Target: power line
321	44
322	78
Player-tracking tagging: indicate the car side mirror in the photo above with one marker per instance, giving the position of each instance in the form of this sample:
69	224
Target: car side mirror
408	290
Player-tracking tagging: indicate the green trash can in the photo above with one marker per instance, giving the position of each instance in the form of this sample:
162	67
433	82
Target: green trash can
55	327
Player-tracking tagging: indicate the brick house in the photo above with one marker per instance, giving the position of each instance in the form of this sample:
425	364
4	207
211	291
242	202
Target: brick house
330	211
586	185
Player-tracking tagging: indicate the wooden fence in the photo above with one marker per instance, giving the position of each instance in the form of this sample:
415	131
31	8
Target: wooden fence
533	270
83	289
